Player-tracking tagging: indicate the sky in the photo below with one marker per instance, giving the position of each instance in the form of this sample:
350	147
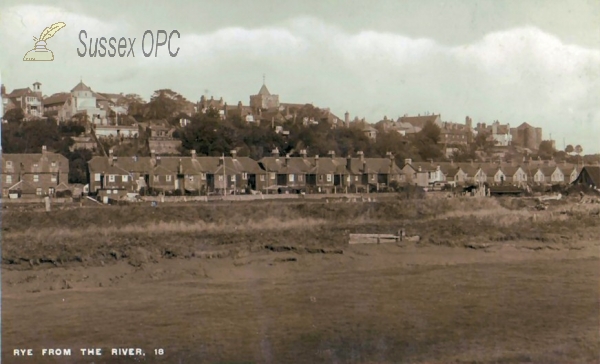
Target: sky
512	61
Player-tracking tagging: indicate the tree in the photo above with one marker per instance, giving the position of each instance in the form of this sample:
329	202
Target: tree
426	142
546	150
578	149
165	104
569	149
15	115
78	165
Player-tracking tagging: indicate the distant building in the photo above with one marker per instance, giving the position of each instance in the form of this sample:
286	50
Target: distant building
31	175
81	100
370	132
264	100
420	121
28	99
499	134
526	136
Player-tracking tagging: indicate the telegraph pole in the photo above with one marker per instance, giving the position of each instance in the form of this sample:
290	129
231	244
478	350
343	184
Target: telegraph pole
224	177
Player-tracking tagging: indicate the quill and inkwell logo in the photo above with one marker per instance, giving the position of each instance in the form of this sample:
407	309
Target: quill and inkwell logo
40	52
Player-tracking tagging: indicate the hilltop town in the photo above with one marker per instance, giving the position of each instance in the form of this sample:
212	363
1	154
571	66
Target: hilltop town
106	144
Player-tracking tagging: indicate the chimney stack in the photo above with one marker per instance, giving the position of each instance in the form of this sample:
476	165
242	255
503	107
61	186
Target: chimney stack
152	154
44	150
110	152
317	161
158	161
408	161
361	155
275	152
420	169
193	154
287	159
233	154
331	154
221	160
303	153
431	161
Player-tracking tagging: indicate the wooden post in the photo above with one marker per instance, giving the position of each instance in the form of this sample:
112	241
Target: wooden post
47	200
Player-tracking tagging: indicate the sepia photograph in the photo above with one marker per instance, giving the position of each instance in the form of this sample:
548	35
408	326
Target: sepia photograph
281	182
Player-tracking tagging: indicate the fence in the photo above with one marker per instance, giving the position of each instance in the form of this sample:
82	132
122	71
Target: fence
21	201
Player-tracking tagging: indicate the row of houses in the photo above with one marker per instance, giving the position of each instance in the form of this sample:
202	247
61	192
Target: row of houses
331	174
47	174
427	174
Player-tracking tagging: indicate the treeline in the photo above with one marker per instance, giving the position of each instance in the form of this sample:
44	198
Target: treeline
211	136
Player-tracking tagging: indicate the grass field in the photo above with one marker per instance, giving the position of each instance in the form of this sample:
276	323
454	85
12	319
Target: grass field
490	281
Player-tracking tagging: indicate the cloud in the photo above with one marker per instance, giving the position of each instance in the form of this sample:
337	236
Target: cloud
515	75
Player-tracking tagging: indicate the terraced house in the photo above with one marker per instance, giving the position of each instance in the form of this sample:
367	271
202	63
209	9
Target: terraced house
195	175
330	174
34	175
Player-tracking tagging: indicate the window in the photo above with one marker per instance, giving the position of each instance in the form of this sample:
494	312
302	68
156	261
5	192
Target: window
8	164
115	192
356	178
169	178
320	178
328	178
372	177
53	164
262	178
38	191
36	178
291	178
111	178
156	179
97	177
108	192
203	176
8	179
233	178
244	176
124	178
300	178
53	178
35	165
192	177
220	178
272	175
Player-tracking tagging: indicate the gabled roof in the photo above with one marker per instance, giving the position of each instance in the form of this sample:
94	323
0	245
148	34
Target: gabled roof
548	170
22	186
590	174
491	169
509	170
470	169
20	92
567	168
419	121
24	163
81	87
58	98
